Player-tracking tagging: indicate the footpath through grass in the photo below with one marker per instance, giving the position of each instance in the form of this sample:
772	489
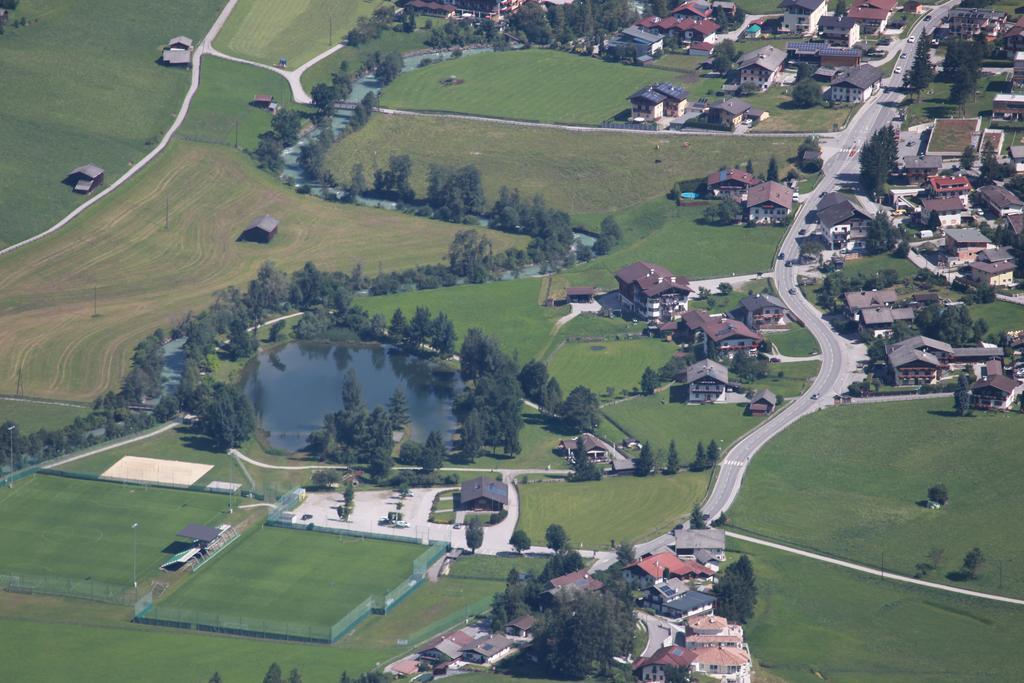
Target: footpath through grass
848	481
148	270
817	622
295	576
579	172
82	85
297	30
540	85
33	415
615	509
51	526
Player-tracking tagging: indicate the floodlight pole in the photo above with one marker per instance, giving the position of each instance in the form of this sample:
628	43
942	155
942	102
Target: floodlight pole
135	536
10	475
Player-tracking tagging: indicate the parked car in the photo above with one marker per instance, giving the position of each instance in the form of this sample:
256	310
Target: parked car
912	39
456	526
803	231
384	520
402	524
898	70
306	516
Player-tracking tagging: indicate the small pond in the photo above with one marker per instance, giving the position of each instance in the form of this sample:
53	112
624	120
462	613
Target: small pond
293	387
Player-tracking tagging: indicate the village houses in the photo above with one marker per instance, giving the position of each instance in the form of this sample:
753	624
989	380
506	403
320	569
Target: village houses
651	292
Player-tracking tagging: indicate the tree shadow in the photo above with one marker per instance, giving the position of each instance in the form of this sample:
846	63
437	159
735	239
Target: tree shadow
958	575
943	413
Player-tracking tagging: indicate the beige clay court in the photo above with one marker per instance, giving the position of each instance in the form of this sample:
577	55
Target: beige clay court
156	471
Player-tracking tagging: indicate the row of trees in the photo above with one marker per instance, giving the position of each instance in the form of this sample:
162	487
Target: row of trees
878	158
490	409
588	21
276	675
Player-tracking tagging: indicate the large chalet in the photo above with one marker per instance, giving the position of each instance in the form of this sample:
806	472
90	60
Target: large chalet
652	292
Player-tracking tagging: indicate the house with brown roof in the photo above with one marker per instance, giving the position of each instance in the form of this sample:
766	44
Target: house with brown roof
993	274
843	223
1000	201
693	9
801	16
879	321
725	663
428	8
652	292
719	335
941	212
488	649
763	310
918	169
580	295
855	301
521	628
855	84
595	449
644	573
950	186
263	102
963	246
733	112
85	179
910	366
839	31
483	493
576	581
658	101
995	392
262	229
763	402
769	202
871	15
707	381
760	68
732	183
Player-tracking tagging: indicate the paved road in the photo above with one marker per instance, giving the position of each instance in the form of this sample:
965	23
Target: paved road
660	632
197	54
838	356
293	76
114	444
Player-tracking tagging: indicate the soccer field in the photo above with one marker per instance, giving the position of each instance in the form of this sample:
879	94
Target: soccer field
295	577
57	527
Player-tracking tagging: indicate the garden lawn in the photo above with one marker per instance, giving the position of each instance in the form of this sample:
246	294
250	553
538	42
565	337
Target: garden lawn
539	440
719	302
796	377
660	232
654	419
223	101
32	415
607	367
815	622
785	117
388	41
145	275
869	265
62	108
537	85
295	576
796	341
69	528
297	30
618	509
1001	316
506	309
577	171
848	481
935	104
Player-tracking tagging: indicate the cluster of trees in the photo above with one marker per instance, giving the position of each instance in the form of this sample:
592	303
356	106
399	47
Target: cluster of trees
705	458
806	92
962	68
882	235
462	33
921	73
423	329
608	238
490	409
369	28
471	256
538	387
582	632
276	675
550	229
840	282
396	178
737	591
455	193
589	21
878	158
951	324
810	144
428	456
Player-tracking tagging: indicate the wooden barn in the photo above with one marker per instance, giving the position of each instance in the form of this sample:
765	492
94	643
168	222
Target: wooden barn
262	230
85	179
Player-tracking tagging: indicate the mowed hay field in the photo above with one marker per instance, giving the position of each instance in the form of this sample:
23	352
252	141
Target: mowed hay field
576	171
538	85
57	527
295	576
848	481
297	30
33	415
626	508
81	85
147	276
603	365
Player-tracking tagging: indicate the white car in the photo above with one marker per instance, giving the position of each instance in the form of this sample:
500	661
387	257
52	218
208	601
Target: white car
898	70
402	524
911	39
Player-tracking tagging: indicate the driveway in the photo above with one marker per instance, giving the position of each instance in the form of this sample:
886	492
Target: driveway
660	632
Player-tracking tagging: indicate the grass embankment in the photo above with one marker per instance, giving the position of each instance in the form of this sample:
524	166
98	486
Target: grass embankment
596	171
300	577
616	509
848	481
608	367
83	529
796	341
223	102
145	275
33	415
268	30
114	103
540	85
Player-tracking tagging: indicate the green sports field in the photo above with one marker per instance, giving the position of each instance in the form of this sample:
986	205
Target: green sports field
615	365
579	172
30	415
848	481
297	30
148	271
594	513
62	107
301	577
540	85
51	526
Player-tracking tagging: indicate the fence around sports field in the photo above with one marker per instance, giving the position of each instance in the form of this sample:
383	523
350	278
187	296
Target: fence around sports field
148	613
63	587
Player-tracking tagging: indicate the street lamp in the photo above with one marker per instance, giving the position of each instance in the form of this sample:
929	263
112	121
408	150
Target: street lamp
10	475
135	536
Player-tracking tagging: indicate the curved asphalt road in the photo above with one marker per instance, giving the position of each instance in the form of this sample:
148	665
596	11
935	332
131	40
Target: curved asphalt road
838	359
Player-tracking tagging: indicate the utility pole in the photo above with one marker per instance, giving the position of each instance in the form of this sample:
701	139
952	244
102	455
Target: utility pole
94	311
135	536
236	133
10	475
167	213
330	35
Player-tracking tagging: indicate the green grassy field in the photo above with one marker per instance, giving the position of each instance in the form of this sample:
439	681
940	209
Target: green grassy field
784	117
594	171
656	230
935	104
617	508
728	302
388	41
615	365
507	309
301	577
1001	316
816	622
540	437
146	275
869	265
30	416
223	100
797	341
839	481
541	85
76	529
588	325
98	119
267	30
796	377
654	419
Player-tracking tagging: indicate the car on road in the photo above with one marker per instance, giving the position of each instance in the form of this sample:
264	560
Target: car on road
782	255
402	524
898	70
803	231
774	359
792	290
456	526
815	397
796	196
306	516
384	521
928	18
911	39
